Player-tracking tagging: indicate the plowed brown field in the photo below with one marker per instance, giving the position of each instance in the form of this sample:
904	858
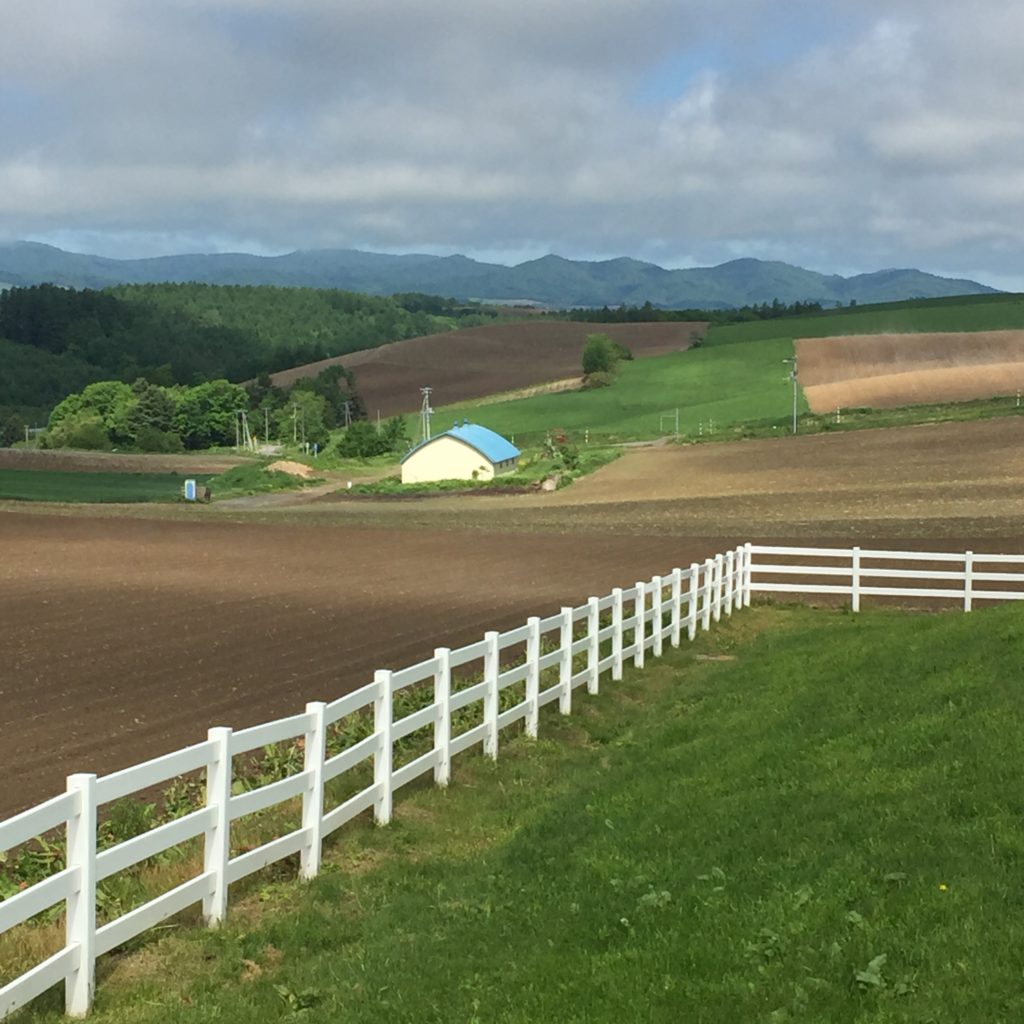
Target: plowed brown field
889	370
123	637
479	361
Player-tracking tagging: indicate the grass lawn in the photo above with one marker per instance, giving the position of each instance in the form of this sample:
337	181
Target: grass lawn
57	485
820	822
724	385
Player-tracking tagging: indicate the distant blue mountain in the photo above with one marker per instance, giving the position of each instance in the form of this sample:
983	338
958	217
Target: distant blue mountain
550	280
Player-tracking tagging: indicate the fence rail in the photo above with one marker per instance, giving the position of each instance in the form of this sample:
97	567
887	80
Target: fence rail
559	654
864	568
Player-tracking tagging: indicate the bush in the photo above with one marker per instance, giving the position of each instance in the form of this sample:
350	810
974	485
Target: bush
149	439
83	430
598	355
597	380
361	440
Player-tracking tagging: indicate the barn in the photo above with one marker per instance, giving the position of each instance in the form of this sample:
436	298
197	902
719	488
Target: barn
465	452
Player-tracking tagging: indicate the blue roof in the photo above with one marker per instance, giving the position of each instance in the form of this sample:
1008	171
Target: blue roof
490	445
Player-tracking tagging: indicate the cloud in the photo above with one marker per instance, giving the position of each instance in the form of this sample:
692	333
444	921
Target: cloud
843	135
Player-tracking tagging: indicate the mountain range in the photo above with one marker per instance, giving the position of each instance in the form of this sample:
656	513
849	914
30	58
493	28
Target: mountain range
550	280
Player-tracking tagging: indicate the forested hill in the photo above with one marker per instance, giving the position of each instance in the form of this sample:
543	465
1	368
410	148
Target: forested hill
54	341
551	280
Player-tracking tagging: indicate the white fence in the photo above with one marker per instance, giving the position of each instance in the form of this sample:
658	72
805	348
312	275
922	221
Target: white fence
960	577
581	650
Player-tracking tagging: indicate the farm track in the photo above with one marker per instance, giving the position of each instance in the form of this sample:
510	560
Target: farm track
127	631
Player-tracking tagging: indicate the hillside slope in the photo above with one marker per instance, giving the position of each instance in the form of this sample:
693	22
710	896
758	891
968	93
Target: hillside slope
481	361
551	279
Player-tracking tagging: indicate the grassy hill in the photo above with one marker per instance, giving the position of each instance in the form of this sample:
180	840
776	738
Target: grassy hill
737	377
825	826
961	313
713	388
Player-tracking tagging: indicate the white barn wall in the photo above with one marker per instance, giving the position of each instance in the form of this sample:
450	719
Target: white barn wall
446	458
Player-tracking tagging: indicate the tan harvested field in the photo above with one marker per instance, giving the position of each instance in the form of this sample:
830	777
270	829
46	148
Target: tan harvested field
480	361
890	370
125	633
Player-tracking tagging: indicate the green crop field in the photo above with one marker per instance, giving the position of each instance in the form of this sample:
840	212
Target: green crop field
722	386
69	486
805	816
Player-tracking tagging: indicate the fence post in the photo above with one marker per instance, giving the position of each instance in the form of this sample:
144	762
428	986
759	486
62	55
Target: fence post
708	588
730	580
693	605
593	644
657	598
532	675
383	756
80	927
740	572
313	798
748	572
719	579
217	840
640	629
968	580
677	605
492	661
855	581
617	616
443	722
565	662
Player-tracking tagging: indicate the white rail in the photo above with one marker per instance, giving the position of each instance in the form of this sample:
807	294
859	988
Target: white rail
562	652
866	572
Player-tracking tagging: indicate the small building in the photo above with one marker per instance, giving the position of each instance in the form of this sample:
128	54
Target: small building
465	452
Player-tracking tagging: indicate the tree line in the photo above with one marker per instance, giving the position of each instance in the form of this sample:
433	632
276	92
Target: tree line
149	417
55	341
648	313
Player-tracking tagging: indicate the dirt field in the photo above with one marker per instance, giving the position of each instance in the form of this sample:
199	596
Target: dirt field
889	370
124	635
479	361
124	638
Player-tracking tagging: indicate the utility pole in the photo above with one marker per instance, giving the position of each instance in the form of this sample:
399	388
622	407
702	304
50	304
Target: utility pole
266	424
792	376
425	412
348	414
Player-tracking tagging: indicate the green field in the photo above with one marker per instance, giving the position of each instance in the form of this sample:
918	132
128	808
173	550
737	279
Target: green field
963	313
50	485
824	826
713	388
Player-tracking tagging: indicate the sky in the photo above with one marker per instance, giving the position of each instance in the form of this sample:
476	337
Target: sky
840	135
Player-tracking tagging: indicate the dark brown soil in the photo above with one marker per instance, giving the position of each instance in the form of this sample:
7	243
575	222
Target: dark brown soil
127	632
480	361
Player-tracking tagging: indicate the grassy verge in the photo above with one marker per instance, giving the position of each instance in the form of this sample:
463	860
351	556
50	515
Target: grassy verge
824	828
868	419
253	478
